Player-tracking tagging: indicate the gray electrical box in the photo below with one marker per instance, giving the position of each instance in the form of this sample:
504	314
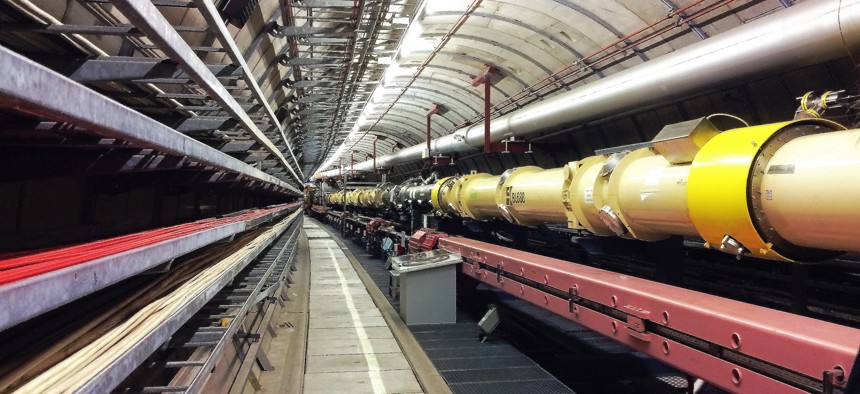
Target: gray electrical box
427	286
489	323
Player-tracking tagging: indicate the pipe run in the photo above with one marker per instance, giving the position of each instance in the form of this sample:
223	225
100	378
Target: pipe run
779	191
808	33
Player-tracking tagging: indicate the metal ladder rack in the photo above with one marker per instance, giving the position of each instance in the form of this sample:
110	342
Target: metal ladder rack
220	321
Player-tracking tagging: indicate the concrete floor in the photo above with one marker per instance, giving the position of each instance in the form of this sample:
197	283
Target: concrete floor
348	346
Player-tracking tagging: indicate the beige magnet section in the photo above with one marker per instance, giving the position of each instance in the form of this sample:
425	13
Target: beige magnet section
566	197
364	197
610	216
809	191
353	197
443	198
581	194
649	195
476	196
532	195
375	197
452	195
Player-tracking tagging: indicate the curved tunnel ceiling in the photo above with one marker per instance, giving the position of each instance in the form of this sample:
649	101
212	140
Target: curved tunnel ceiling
527	42
338	74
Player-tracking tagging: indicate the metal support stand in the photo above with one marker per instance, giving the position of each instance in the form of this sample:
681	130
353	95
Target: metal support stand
668	255
799	277
563	244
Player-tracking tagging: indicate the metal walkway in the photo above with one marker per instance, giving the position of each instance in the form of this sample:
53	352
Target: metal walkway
468	365
350	346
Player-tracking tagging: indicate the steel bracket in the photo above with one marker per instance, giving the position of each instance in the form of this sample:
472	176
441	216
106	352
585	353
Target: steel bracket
162	268
572	294
831	378
250	336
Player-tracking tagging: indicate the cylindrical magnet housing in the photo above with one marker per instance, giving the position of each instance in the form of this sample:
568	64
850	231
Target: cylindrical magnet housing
809	191
582	195
476	196
532	195
650	196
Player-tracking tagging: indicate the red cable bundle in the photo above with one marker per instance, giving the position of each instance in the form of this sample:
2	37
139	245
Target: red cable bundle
19	265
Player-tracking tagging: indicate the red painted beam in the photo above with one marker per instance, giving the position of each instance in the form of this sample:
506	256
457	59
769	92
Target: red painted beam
487	74
716	339
434	109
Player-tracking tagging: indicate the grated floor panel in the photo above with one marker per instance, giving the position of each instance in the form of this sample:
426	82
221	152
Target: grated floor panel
469	366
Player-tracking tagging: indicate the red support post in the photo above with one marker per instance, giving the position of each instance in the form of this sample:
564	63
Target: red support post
428	135
374	154
351	161
486	79
433	110
487	114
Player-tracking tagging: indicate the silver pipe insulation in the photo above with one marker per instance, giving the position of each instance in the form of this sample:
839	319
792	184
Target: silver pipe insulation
808	33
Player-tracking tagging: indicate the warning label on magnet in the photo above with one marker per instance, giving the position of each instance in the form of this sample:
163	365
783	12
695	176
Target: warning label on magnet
781	169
